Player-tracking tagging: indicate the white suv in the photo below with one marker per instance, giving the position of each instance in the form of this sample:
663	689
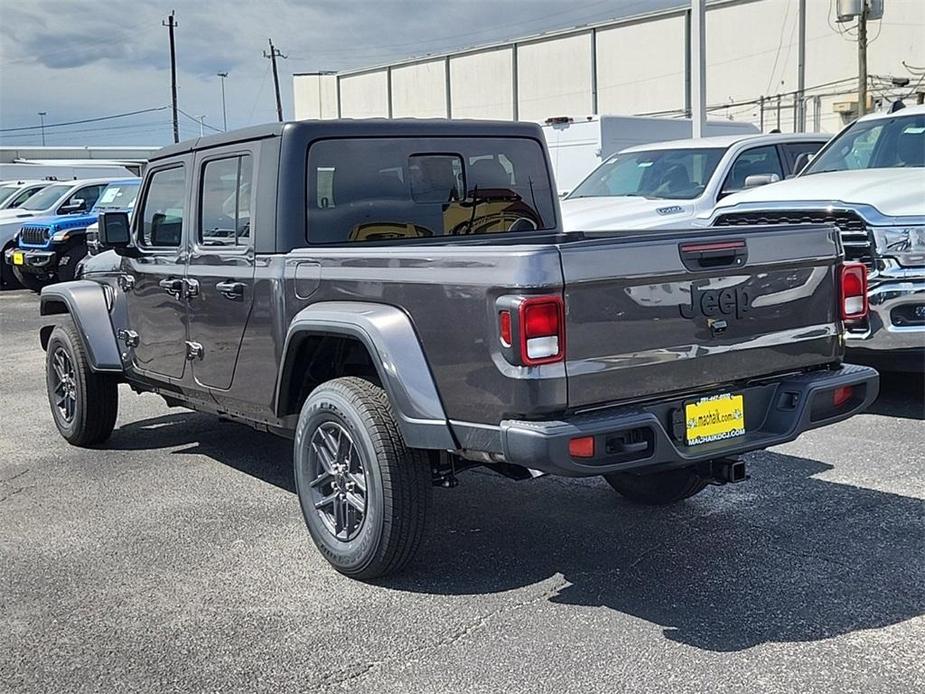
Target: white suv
870	182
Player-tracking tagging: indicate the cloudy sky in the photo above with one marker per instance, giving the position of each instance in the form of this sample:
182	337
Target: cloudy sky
79	59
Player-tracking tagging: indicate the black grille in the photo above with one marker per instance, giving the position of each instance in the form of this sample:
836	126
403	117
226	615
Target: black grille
34	235
853	229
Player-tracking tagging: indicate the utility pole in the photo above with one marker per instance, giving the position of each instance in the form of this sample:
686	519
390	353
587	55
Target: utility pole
800	99
273	55
698	67
170	24
42	115
862	59
222	76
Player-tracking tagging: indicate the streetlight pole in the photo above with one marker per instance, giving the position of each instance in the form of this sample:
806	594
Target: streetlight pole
202	120
42	115
222	76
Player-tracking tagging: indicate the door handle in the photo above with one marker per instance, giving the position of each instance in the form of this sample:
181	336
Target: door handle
172	286
231	290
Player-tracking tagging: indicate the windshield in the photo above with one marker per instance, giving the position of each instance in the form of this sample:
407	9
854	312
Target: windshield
117	196
6	192
46	198
678	174
885	143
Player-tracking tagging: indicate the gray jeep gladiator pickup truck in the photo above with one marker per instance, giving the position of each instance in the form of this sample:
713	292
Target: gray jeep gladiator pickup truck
399	298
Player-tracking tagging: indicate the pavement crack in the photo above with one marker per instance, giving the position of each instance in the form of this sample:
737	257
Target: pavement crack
16	476
14	492
447	641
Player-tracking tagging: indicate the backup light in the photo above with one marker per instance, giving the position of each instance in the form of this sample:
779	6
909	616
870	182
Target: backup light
853	291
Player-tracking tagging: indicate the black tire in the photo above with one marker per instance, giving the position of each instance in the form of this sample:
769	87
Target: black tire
382	538
7	278
69	259
659	488
29	281
89	416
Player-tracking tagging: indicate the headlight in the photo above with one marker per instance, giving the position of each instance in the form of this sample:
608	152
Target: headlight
906	244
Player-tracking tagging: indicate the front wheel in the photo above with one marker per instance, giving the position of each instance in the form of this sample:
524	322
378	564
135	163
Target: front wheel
363	493
28	280
69	260
84	404
659	488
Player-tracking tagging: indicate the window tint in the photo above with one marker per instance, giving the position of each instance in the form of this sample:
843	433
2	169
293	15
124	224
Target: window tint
675	174
89	195
753	162
406	188
162	215
224	212
795	149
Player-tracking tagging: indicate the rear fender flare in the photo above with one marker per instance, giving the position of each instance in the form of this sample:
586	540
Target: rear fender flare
389	337
86	303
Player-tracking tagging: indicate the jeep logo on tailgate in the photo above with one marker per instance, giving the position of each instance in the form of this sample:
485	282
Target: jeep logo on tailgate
715	302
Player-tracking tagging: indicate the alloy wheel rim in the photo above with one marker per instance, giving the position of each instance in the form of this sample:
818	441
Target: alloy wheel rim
65	390
338	486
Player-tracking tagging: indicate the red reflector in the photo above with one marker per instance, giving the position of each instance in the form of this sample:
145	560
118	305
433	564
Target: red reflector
853	291
504	328
842	395
581	447
541	319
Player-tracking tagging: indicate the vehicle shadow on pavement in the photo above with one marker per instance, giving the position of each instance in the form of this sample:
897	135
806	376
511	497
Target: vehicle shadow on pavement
787	556
784	557
901	395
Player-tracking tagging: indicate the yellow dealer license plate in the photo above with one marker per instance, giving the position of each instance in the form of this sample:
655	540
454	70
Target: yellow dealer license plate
18	258
715	418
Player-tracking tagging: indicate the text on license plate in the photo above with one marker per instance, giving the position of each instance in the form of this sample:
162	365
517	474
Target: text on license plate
18	258
714	419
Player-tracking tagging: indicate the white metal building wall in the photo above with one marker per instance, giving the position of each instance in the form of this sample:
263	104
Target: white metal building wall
554	77
639	66
419	90
482	84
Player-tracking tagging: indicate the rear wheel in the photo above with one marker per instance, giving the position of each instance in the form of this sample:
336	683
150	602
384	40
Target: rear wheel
363	493
28	280
659	488
84	404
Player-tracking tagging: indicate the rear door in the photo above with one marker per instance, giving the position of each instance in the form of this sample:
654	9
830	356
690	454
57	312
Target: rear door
677	311
220	274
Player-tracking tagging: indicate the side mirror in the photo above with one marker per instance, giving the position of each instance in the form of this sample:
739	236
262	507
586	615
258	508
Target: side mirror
114	232
802	160
756	180
75	205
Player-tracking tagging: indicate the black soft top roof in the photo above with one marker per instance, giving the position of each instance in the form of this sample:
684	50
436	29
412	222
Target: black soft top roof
370	127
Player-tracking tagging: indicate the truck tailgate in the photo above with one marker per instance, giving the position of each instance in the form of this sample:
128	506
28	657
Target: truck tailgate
667	312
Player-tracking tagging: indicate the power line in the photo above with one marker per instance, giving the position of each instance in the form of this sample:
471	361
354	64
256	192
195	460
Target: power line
85	120
197	121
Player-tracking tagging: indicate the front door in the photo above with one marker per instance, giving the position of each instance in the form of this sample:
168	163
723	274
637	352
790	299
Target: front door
153	282
220	274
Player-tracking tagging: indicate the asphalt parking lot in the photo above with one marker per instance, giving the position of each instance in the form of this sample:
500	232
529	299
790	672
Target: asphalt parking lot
176	559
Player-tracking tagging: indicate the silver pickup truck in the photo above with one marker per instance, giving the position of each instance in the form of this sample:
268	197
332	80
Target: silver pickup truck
399	298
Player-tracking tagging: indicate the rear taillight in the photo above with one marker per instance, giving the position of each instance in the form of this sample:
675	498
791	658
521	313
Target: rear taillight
853	291
542	330
532	329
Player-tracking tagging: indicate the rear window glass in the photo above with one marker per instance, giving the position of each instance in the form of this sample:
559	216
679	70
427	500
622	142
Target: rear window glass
411	188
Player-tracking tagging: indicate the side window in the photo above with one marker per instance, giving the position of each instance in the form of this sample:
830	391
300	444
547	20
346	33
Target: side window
753	162
162	209
225	210
89	195
795	149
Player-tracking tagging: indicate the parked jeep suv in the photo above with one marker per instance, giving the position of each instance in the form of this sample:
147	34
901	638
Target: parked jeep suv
399	298
49	249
